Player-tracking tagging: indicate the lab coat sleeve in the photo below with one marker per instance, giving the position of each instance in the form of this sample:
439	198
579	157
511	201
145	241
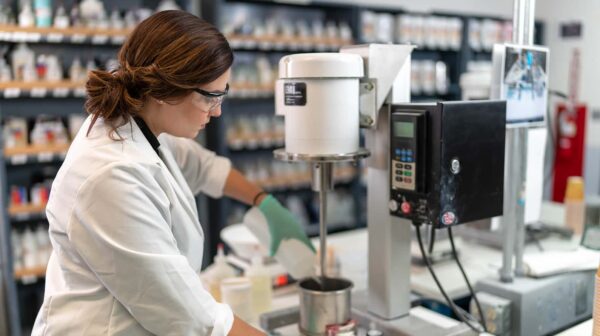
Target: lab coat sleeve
203	170
121	228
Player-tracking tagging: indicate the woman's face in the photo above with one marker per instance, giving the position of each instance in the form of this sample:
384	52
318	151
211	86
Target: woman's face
187	116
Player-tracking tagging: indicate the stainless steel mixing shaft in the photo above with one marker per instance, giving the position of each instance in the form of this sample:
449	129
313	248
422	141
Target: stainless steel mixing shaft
322	182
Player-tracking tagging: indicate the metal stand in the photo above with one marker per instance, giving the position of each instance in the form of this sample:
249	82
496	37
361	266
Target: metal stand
516	162
513	221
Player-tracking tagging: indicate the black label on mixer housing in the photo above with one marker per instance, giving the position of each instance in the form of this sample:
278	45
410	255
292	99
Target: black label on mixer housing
294	94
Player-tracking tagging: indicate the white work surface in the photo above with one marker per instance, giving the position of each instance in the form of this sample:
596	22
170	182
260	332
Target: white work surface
479	262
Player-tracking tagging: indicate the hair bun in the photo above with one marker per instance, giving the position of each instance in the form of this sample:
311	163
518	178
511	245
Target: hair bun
126	77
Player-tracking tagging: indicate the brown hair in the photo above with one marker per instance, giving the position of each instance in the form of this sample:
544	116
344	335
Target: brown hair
165	57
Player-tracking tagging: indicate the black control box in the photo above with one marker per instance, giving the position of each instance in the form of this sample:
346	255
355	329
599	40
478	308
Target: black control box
447	161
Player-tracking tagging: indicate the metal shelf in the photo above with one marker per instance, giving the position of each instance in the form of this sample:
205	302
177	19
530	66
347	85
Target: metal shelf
251	92
28	274
35	154
436	50
18	211
283	44
15	34
61	89
255	146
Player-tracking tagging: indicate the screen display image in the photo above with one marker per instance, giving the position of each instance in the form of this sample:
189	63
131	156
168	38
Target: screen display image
525	84
404	129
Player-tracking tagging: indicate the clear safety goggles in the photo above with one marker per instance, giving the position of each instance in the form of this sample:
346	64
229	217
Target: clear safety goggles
213	99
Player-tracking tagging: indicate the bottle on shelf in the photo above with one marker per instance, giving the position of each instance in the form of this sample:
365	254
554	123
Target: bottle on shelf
17	248
61	19
54	71
26	16
262	289
116	21
5	73
167	5
43	13
23	62
48	131
216	273
76	71
91	12
15	133
30	249
75	16
6	16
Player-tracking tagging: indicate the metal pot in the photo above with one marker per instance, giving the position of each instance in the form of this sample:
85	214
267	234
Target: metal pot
323	303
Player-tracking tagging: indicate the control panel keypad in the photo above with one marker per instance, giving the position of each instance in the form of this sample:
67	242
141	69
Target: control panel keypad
403	169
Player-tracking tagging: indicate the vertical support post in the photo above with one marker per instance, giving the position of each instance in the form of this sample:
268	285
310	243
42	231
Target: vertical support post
514	209
516	161
389	236
9	308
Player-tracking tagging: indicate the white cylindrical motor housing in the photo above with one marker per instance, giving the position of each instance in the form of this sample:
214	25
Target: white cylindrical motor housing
318	94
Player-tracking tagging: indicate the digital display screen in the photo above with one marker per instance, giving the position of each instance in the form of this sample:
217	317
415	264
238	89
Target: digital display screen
524	83
404	129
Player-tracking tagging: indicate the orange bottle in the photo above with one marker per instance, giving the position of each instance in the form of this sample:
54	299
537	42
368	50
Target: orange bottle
575	205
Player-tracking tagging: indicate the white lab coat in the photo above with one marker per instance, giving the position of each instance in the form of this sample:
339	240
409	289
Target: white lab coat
127	242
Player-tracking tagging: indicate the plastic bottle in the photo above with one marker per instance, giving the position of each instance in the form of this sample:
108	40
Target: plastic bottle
167	5
26	16
116	22
61	19
17	244
76	71
22	59
216	273
295	257
262	291
43	13
575	205
91	11
30	249
237	293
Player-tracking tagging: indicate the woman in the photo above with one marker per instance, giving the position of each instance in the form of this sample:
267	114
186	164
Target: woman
123	222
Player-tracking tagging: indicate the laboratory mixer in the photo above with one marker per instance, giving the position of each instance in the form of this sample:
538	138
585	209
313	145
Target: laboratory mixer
439	164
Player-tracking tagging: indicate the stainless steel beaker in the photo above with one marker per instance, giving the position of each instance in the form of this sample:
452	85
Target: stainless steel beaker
324	302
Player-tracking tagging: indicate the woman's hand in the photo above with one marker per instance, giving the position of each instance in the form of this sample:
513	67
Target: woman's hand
282	224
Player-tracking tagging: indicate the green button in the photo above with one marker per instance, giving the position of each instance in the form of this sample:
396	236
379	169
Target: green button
407	173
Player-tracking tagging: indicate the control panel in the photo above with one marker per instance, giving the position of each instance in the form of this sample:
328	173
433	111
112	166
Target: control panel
407	143
439	154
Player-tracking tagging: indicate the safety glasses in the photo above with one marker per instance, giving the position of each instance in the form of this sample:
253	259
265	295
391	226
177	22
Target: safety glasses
213	99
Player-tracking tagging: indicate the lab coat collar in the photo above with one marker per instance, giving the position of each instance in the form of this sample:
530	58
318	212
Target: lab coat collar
132	132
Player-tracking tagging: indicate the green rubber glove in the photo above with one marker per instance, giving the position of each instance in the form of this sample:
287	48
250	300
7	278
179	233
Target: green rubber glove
282	224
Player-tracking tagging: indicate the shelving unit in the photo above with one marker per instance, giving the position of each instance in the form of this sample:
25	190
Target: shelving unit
25	166
80	35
